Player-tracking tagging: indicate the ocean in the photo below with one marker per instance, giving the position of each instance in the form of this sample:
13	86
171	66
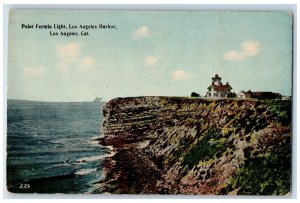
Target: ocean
52	147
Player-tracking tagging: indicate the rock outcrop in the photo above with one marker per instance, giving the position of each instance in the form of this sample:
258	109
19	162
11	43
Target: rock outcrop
169	145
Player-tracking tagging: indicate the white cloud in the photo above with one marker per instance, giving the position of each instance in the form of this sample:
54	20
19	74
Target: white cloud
180	75
70	51
150	60
37	71
68	55
141	32
88	62
70	58
251	48
248	49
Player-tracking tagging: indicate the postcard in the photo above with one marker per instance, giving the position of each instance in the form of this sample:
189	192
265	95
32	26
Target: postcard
149	102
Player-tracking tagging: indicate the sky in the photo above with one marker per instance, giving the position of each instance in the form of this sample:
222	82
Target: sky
148	53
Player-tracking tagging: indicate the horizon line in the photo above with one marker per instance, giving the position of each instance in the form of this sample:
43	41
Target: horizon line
91	101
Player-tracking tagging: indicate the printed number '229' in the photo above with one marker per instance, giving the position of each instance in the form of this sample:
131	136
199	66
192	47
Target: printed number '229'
24	186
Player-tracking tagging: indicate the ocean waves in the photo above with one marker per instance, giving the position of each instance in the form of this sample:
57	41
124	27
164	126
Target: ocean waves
53	144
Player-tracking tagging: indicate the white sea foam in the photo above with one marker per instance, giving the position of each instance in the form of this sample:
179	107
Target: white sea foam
110	147
94	142
57	165
85	171
89	159
93	158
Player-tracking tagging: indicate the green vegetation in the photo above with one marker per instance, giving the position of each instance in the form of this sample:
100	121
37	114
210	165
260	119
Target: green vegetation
231	95
195	94
205	149
283	110
268	175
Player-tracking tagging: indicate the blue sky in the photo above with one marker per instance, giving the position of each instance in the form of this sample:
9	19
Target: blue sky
166	53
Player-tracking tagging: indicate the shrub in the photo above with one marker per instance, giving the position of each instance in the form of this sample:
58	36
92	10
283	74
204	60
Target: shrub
195	94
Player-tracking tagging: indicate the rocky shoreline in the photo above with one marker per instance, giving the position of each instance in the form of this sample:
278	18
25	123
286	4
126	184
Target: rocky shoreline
169	145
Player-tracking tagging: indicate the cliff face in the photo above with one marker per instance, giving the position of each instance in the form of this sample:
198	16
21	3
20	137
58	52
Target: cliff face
195	146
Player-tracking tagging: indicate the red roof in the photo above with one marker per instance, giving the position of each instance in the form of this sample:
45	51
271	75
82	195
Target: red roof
220	87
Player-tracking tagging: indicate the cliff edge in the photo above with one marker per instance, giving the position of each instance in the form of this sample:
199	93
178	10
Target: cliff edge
171	145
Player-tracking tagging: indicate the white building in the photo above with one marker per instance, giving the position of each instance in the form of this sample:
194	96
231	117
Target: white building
286	98
244	95
217	89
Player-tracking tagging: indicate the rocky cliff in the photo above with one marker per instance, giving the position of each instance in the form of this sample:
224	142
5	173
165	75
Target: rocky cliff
168	145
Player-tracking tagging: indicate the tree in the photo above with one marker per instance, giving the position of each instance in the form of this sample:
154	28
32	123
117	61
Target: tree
195	94
231	95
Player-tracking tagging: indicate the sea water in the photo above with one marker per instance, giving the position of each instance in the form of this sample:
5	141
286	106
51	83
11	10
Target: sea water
51	146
